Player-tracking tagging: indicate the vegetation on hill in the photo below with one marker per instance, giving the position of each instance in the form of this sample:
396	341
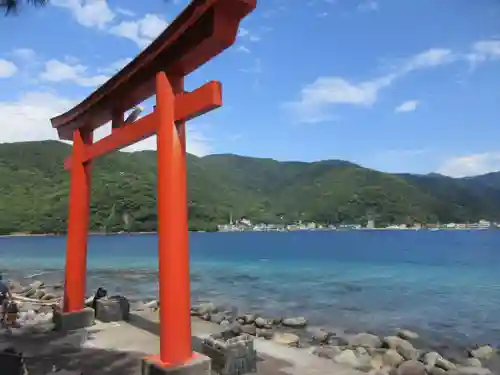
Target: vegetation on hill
34	192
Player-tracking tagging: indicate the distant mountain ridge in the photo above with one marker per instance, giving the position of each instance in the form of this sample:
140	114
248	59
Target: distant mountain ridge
34	189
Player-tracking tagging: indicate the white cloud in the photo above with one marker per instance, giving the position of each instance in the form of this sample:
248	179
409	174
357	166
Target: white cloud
471	165
243	49
408	106
197	143
141	31
125	12
368	6
484	50
58	71
115	66
246	34
317	98
28	117
7	68
88	13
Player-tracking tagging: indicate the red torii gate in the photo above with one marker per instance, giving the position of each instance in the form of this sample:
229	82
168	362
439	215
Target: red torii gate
203	30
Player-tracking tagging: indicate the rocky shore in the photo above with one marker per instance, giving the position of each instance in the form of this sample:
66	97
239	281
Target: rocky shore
402	353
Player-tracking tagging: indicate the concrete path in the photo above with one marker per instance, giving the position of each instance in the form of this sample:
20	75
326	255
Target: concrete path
117	348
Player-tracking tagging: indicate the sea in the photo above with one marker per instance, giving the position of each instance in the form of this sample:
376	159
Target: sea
443	284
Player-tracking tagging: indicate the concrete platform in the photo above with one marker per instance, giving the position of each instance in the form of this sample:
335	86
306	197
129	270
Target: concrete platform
107	348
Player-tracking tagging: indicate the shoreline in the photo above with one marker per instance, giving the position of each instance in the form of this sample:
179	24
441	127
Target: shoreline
368	352
98	234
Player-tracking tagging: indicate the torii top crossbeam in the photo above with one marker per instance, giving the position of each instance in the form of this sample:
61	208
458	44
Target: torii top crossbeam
203	30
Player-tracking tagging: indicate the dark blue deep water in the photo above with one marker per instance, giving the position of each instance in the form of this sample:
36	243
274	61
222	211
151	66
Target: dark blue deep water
444	284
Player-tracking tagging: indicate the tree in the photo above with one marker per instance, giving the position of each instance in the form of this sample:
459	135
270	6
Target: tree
12	6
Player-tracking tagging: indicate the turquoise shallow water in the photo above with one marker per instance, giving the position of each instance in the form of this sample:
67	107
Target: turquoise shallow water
444	284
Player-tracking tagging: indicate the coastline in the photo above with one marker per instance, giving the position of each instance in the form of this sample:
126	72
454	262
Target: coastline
373	353
95	234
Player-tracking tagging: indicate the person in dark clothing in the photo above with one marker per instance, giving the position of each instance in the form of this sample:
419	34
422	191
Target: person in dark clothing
5	297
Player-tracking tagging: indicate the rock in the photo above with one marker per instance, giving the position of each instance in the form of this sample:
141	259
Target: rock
206	308
468	370
376	362
218	318
392	358
235	328
411	368
39	293
436	371
434	359
327	351
206	317
248	318
483	352
366	340
225	323
265	333
318	335
338	341
473	362
348	357
298	322
406	334
15	286
48	297
403	347
249	329
382	371
263	323
151	304
286	338
36	284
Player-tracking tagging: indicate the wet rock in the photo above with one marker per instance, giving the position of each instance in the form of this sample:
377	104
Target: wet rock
249	329
467	370
297	322
406	334
392	358
327	351
285	338
265	333
366	340
338	341
263	323
403	347
411	368
482	352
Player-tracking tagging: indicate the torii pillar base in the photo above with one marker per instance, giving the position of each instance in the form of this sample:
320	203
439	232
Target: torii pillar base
198	364
69	321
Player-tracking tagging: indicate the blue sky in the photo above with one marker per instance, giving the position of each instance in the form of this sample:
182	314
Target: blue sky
394	85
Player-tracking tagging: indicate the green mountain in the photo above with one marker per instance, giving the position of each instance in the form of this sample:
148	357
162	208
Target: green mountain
34	191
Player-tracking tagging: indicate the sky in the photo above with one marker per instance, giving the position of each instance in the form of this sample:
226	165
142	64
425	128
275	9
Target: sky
393	85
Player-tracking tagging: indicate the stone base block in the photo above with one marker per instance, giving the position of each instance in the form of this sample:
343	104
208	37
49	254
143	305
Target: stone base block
12	362
73	320
198	365
114	309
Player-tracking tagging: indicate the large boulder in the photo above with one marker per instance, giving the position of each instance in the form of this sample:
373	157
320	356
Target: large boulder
403	347
392	358
406	334
366	340
411	368
467	370
297	322
482	352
